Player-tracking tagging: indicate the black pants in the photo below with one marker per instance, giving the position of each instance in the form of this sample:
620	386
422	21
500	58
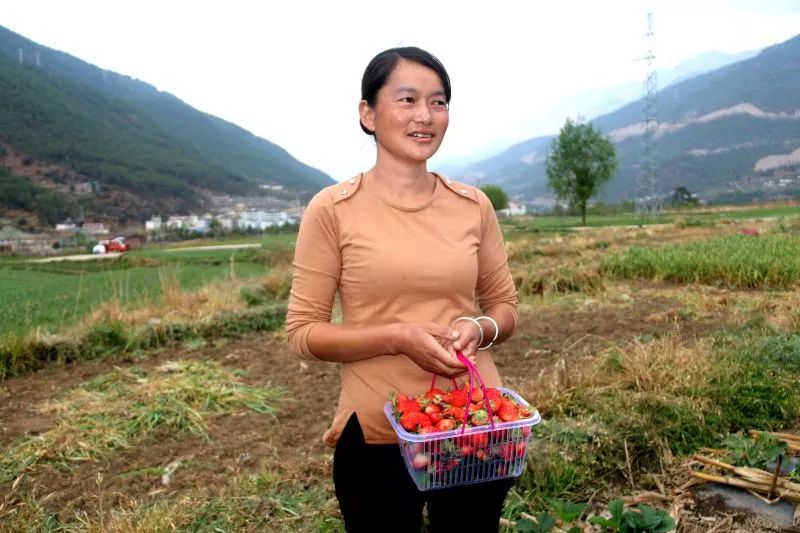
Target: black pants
377	495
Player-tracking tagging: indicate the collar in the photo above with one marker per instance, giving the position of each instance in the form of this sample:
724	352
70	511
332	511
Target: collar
349	187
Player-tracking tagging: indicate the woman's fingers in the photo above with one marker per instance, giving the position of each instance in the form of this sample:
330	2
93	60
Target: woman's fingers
442	332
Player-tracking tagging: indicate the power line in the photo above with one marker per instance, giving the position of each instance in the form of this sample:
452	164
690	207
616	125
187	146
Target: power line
648	201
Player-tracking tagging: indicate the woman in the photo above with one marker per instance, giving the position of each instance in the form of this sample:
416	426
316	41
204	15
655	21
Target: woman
412	255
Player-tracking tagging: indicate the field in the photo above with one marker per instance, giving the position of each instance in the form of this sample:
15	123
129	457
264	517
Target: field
51	296
182	408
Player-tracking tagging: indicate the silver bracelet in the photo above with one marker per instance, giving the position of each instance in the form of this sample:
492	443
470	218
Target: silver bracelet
496	331
474	321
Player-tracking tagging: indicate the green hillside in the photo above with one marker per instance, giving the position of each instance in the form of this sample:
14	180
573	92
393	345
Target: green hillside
127	134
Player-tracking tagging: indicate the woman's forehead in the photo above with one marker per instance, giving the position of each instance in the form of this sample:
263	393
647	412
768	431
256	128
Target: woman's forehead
412	77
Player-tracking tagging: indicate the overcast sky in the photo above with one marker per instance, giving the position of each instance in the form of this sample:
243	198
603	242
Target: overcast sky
290	71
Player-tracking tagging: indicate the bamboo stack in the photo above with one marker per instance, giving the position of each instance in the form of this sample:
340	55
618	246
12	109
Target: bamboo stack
757	481
792	440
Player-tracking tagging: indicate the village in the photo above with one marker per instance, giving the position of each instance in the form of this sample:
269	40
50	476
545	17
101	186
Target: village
76	235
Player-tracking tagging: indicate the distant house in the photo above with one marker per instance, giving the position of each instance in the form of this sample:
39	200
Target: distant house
153	225
514	209
262	220
94	228
135	241
67	225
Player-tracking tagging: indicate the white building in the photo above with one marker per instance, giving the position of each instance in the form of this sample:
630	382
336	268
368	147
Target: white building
154	224
514	209
262	220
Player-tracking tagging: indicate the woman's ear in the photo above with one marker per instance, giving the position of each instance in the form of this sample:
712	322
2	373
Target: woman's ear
367	115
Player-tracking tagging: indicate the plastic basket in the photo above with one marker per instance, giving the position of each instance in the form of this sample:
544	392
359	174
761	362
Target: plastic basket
474	455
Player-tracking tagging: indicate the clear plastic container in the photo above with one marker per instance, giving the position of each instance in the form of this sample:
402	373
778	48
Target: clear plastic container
452	458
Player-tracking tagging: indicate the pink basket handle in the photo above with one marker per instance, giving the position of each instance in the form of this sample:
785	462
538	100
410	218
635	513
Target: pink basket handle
433	382
472	370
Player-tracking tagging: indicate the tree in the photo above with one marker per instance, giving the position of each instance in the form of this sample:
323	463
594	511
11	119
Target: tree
581	161
683	198
496	195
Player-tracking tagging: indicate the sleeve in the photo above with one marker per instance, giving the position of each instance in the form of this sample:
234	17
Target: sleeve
495	286
316	273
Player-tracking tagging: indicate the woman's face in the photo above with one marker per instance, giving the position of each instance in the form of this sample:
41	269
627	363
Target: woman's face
410	115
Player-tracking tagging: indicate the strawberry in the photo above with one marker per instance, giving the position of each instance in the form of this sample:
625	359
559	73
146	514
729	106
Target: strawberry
507	451
480	440
458	398
426	429
408	406
481	454
467	450
432	408
477	395
435	417
474	407
493	393
480	418
455	412
412	420
420	461
433	394
446	424
501	470
494	403
508	411
521	449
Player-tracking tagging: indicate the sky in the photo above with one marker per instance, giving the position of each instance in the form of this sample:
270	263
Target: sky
290	71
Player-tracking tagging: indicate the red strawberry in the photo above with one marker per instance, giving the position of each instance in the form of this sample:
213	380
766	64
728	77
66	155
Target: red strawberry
480	454
493	393
480	440
435	417
521	449
507	451
467	450
446	424
433	393
426	429
501	470
477	395
508	411
411	421
408	406
474	407
458	398
455	412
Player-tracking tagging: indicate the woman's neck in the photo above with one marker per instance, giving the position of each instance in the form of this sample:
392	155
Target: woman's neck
401	180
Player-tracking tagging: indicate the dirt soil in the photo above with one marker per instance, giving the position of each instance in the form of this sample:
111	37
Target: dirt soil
240	443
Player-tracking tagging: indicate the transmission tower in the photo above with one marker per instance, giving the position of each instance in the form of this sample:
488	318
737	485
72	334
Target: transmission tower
648	201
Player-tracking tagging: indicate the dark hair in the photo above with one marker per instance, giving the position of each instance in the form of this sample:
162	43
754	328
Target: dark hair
383	64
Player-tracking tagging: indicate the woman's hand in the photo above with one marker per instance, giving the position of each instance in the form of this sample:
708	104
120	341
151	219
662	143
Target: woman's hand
467	340
424	343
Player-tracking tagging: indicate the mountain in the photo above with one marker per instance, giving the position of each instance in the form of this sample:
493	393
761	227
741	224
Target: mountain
729	134
64	122
596	102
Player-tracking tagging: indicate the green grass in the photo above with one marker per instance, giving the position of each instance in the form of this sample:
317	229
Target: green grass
738	261
699	217
52	295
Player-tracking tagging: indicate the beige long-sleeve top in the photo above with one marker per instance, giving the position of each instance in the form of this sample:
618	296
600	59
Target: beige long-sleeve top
434	261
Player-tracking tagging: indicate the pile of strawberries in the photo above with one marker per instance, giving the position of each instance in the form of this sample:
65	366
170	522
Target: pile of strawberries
443	411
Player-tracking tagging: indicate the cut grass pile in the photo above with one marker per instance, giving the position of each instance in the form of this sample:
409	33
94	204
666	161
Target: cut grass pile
118	410
737	261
